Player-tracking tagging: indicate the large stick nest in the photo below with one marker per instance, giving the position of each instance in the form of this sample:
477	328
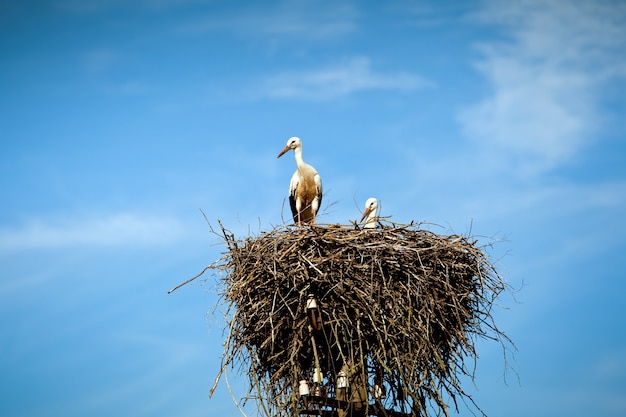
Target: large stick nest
399	308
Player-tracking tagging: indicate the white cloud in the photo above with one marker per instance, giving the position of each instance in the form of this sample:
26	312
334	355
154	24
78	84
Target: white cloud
100	59
328	83
546	78
122	229
288	20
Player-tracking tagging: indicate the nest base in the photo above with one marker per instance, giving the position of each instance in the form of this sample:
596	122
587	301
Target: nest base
357	313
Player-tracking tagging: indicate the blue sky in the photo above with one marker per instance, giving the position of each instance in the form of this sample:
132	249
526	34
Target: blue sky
120	120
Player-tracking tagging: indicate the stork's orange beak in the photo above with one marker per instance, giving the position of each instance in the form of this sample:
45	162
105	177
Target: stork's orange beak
365	213
287	148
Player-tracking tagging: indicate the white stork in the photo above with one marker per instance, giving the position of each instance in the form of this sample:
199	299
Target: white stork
305	188
370	213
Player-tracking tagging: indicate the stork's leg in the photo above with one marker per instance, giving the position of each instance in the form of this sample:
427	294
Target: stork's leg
314	207
299	210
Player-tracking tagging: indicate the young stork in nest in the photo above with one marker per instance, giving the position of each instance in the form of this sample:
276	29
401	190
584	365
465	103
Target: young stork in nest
305	188
370	214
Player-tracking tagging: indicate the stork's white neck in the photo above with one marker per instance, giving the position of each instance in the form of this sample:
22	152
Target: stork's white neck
370	221
297	152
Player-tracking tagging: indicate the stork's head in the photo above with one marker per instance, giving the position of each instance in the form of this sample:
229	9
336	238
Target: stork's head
292	143
371	209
